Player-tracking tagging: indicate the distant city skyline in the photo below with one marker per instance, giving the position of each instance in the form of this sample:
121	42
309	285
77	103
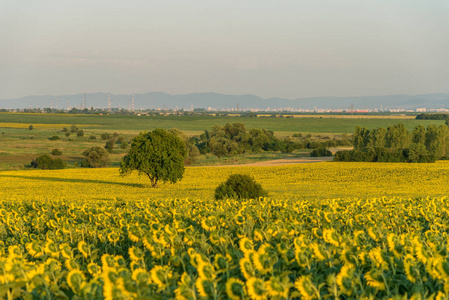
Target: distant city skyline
290	49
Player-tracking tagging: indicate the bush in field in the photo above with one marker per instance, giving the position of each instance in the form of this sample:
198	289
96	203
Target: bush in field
56	152
105	136
96	157
54	138
92	137
45	162
124	145
30	127
110	145
239	186
80	133
320	152
67	134
73	129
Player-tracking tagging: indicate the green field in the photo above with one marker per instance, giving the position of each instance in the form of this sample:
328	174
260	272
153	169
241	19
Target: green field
18	145
196	124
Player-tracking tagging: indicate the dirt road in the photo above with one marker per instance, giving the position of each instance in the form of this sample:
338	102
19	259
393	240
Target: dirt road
281	162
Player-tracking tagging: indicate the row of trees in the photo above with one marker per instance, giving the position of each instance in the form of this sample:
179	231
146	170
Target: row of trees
396	143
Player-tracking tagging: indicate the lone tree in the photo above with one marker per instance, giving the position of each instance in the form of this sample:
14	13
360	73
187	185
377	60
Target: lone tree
158	154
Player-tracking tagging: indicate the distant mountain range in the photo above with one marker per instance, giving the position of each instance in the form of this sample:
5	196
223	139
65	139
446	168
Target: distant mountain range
155	100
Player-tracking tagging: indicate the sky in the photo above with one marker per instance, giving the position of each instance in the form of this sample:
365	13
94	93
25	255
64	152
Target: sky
290	49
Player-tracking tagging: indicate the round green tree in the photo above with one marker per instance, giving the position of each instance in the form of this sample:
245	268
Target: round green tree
240	186
158	154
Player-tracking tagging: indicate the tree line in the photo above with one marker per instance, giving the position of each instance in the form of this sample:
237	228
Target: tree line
397	144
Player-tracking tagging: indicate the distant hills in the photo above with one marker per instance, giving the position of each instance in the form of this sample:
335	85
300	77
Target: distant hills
161	100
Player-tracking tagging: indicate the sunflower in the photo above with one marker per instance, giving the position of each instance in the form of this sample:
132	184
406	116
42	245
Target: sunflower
76	280
141	276
375	279
65	250
34	249
306	288
94	269
344	279
330	236
256	288
319	252
220	262
113	237
185	290
148	243
160	275
51	249
443	267
134	234
258	235
377	257
278	287
262	262
136	254
209	223
107	261
246	245
235	289
205	270
205	287
246	268
71	264
349	256
83	248
239	219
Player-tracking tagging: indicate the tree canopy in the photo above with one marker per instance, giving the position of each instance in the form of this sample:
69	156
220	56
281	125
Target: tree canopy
159	154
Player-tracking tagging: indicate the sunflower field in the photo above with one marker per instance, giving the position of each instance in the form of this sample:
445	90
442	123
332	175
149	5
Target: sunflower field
308	247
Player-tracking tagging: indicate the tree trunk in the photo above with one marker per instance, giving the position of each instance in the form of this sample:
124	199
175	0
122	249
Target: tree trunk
153	181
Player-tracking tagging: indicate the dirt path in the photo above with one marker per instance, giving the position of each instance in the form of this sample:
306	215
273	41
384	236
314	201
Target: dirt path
281	162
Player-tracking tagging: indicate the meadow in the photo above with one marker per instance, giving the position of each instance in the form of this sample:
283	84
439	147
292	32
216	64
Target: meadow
18	145
327	230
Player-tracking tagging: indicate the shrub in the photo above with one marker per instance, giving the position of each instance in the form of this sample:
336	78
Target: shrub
320	152
92	137
54	138
45	162
73	129
67	134
56	152
95	157
30	127
80	133
105	136
124	145
64	129
110	145
239	186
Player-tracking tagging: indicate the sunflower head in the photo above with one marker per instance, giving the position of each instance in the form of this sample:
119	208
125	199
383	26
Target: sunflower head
256	288
76	280
136	254
246	245
161	275
278	287
94	269
235	289
206	270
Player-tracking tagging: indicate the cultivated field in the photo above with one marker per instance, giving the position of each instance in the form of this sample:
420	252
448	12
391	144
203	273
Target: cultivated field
348	230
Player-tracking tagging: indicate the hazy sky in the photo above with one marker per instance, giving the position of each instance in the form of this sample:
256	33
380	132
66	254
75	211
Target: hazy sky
269	48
